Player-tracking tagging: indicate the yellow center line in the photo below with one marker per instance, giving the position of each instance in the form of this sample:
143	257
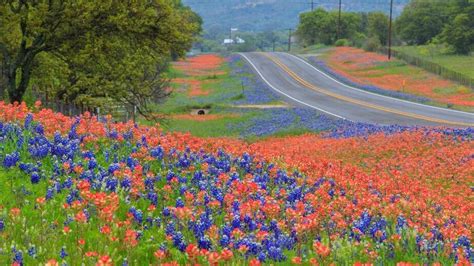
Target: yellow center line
358	102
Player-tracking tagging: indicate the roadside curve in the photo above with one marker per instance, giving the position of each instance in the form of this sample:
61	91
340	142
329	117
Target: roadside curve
304	84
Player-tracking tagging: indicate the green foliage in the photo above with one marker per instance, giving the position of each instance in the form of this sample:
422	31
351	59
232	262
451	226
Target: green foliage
321	26
359	39
422	20
439	54
378	26
450	21
342	42
82	51
372	44
459	33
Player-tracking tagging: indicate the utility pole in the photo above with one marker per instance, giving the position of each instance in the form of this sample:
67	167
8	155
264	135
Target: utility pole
312	5
289	40
274	44
339	21
390	32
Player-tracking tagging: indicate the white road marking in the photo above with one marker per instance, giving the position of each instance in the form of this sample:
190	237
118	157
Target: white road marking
379	95
294	99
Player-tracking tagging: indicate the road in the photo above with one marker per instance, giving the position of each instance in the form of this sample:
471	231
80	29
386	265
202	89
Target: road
303	84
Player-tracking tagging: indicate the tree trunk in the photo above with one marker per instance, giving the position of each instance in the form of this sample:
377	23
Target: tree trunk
16	91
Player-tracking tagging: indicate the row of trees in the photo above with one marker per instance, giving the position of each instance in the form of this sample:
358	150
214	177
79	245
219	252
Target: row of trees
421	22
360	29
450	21
88	51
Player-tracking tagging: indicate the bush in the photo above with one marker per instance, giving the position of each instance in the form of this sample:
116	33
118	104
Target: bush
372	44
342	42
359	39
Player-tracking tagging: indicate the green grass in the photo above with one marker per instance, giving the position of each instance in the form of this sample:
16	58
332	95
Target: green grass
317	48
211	128
223	90
463	64
413	73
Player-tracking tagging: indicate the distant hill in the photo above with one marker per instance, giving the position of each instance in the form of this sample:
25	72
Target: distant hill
262	15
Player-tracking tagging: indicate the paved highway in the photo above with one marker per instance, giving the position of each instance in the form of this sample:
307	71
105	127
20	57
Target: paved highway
303	84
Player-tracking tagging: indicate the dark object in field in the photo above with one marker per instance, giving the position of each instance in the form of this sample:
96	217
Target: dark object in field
201	112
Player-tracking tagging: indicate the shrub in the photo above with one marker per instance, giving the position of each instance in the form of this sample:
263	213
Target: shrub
372	44
359	40
342	42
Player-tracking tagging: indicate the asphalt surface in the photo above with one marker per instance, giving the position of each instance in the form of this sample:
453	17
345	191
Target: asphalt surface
303	84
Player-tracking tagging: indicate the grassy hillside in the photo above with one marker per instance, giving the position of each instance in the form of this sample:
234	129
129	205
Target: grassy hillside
259	15
396	78
463	64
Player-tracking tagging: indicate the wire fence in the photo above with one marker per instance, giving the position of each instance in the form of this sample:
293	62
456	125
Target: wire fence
118	112
432	67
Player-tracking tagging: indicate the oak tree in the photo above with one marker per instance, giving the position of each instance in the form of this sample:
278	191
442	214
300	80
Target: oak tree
93	49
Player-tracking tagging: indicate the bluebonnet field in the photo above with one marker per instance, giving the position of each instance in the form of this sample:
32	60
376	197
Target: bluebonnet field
79	190
83	190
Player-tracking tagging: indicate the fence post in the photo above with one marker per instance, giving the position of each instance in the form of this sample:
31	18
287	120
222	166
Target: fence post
435	68
134	114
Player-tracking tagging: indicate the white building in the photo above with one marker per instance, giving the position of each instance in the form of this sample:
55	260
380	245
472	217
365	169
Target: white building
237	40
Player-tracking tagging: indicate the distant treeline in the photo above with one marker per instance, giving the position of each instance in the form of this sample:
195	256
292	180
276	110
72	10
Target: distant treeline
421	22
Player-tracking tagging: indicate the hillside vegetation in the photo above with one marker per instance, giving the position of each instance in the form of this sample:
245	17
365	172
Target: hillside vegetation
460	63
263	15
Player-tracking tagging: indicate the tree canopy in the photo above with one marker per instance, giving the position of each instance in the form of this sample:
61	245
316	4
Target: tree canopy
321	26
86	50
451	21
378	26
459	32
422	20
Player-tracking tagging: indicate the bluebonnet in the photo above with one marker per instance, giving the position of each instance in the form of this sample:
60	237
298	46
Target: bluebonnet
28	120
126	183
35	178
179	203
269	121
137	214
63	253
401	224
255	90
32	252
157	152
11	160
17	256
39	129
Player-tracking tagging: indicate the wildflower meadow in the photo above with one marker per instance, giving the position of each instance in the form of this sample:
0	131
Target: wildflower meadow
84	190
236	133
